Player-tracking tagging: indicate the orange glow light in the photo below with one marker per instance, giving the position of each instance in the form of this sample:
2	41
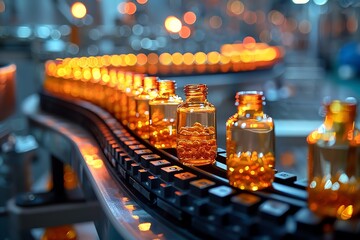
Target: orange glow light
130	8
165	58
189	18
78	10
177	58
189	58
249	42
130	207
200	58
130	59
127	8
235	7
213	57
153	58
173	24
142	1
185	32
2	6
141	59
144	226
115	60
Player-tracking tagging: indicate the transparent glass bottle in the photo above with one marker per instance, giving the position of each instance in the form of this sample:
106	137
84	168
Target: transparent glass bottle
196	127
334	165
150	91
250	143
136	89
163	115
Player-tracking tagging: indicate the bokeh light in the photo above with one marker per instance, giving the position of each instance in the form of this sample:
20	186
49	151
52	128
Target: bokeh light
185	32
2	6
320	2
235	7
249	42
142	1
127	8
78	10
300	1
304	26
276	18
215	22
173	24
165	58
190	17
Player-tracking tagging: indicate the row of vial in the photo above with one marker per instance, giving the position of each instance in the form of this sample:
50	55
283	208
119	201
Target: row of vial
151	108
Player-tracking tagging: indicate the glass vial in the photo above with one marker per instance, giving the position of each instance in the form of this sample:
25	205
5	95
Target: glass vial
196	127
150	91
334	167
119	91
136	89
128	81
250	143
163	115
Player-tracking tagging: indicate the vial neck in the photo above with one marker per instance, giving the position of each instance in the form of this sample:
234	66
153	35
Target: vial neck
196	93
129	80
341	123
196	98
138	81
150	83
250	103
166	92
166	88
250	110
340	119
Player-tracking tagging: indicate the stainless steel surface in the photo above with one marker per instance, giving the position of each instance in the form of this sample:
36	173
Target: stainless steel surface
22	219
73	145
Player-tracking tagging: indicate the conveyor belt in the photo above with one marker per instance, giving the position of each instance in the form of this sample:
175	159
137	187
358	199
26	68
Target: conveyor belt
197	201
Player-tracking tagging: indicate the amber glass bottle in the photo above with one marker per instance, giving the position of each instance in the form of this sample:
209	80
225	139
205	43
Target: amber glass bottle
196	127
136	89
163	115
128	81
119	90
250	144
110	91
150	91
334	169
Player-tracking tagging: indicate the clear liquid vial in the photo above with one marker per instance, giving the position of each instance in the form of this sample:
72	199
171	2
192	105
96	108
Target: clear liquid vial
334	162
196	127
163	115
250	143
150	91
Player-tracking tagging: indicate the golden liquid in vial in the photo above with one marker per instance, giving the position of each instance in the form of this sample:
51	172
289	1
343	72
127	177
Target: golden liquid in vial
123	108
163	125
250	160
196	145
142	118
334	184
131	112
